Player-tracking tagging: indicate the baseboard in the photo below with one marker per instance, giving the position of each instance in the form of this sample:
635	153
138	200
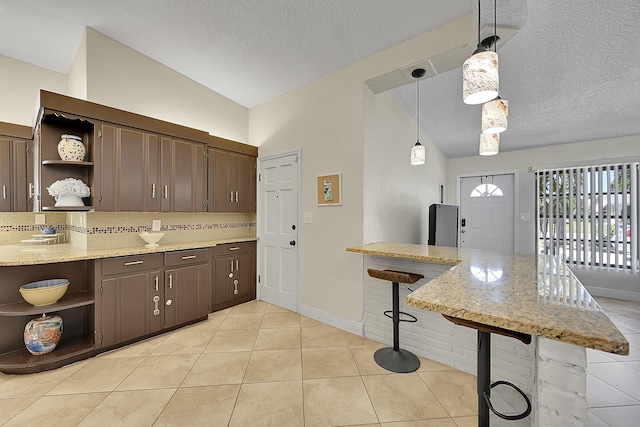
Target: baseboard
332	319
613	293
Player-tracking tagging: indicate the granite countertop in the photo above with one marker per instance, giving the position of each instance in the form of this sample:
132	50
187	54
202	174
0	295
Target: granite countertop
63	252
524	293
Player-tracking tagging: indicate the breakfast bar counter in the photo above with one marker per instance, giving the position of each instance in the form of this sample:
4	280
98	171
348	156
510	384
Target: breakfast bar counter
535	295
523	293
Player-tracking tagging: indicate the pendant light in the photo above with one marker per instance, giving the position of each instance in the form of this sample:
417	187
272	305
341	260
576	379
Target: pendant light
480	79
495	113
494	116
418	151
489	144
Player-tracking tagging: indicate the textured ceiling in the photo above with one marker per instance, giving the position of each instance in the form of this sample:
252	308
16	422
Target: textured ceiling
571	73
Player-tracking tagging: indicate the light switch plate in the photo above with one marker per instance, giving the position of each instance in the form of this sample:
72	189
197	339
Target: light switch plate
155	225
40	219
306	217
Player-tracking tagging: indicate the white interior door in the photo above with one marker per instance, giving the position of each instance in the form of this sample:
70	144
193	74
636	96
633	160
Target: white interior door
487	206
278	230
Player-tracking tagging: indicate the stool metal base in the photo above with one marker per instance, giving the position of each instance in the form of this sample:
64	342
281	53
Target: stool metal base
400	361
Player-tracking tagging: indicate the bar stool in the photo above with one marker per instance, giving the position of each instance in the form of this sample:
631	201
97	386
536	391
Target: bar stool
484	385
393	358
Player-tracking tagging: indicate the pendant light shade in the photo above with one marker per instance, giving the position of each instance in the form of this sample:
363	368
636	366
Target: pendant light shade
489	144
480	80
418	154
418	151
494	116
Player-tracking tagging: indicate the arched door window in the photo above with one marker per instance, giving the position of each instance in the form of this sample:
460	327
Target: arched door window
486	190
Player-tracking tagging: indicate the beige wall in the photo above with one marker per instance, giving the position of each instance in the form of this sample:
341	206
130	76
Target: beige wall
120	77
77	76
20	85
326	119
397	195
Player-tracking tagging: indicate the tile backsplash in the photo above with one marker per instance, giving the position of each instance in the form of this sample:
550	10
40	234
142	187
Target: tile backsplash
103	230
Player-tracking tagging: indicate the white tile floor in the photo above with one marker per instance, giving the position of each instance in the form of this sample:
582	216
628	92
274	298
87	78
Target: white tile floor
257	364
613	382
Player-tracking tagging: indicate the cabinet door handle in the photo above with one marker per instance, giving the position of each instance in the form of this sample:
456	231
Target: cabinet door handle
30	195
166	191
235	248
4	192
153	191
231	196
190	257
134	262
236	196
170	282
236	265
156	284
232	266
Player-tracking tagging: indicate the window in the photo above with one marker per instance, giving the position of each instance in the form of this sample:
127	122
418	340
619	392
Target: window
486	190
589	215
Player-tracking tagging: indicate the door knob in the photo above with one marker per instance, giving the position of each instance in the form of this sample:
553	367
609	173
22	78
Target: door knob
292	243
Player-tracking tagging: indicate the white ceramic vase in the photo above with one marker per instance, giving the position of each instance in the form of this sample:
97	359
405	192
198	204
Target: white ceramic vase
70	148
69	200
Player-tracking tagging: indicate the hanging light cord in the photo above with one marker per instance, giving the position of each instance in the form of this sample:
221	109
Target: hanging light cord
418	108
495	26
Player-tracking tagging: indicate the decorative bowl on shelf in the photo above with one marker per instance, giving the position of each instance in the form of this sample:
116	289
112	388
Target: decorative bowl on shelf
71	149
44	292
152	239
69	192
48	230
42	334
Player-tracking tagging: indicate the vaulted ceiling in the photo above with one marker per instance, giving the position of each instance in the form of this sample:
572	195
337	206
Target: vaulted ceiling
571	72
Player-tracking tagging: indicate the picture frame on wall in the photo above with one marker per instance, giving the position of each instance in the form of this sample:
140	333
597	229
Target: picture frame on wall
329	190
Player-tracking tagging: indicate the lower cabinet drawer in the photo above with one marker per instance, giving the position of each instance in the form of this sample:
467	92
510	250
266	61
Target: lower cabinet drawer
177	258
233	248
133	263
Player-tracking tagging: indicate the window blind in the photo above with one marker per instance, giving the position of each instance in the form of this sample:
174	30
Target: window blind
588	215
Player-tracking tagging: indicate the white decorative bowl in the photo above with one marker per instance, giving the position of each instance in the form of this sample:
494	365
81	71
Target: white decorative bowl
152	239
44	292
70	148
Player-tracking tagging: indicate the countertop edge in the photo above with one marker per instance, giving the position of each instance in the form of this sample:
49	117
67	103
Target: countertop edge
66	252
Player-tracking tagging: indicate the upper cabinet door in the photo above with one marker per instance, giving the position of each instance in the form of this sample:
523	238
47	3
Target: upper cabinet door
16	175
183	176
6	165
128	170
232	182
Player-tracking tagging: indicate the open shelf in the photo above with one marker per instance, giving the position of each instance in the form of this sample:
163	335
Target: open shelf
66	163
23	308
67	351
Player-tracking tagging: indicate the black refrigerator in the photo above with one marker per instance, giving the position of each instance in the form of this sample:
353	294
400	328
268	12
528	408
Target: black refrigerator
443	225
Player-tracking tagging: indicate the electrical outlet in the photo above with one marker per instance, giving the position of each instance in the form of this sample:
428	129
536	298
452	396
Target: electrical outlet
40	219
155	225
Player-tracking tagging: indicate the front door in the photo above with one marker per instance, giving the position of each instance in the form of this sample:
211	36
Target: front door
487	205
278	230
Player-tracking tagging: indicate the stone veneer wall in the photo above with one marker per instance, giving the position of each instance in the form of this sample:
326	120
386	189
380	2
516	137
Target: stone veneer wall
103	230
437	339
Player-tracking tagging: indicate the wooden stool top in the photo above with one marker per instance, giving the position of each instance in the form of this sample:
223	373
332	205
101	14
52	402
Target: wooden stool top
395	276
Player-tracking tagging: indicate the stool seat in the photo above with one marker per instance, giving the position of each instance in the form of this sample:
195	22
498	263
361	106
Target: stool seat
395	276
394	358
484	384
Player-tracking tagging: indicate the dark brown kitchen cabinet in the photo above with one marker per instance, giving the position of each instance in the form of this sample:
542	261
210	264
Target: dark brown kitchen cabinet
131	298
187	288
183	176
234	274
76	308
16	169
128	172
50	168
231	182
